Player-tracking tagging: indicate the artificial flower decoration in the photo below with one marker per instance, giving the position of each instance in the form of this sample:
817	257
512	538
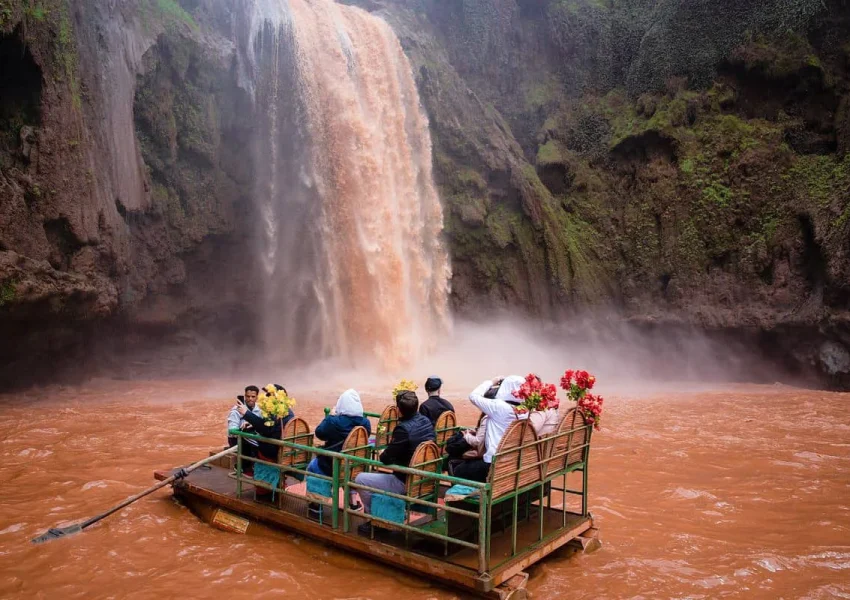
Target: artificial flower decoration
405	385
274	404
578	384
536	395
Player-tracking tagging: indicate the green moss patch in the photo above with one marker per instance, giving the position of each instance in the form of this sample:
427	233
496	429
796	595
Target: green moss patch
7	292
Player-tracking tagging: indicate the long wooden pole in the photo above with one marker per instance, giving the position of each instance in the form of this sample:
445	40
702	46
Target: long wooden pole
57	532
179	475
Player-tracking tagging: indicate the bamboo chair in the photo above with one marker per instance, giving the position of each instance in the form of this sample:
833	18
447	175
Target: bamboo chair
388	421
355	444
515	471
568	453
296	431
427	457
444	428
569	446
515	467
516	464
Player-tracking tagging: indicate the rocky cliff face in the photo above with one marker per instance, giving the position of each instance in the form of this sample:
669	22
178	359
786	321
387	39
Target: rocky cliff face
123	176
674	163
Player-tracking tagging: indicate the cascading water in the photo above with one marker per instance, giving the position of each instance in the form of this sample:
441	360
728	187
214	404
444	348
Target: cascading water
350	242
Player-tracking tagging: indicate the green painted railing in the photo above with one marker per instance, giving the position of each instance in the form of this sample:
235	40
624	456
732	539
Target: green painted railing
341	481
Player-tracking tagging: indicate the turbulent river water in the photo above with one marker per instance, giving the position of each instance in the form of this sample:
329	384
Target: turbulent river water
735	493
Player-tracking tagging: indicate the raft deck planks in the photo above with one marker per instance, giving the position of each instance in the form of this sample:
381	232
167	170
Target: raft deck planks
216	487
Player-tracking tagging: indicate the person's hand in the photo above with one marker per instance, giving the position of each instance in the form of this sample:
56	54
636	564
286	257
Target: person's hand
241	408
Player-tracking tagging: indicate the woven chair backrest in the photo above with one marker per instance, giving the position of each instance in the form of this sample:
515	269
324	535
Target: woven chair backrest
514	464
357	444
426	457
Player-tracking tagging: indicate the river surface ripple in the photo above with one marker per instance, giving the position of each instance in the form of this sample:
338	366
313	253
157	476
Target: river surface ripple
741	493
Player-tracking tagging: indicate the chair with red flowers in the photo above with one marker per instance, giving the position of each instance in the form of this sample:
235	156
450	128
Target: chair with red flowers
515	474
568	452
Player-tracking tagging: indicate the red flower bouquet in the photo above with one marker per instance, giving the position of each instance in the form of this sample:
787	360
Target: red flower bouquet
536	395
578	384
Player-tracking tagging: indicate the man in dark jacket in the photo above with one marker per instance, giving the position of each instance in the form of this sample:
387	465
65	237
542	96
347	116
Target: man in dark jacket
412	429
434	406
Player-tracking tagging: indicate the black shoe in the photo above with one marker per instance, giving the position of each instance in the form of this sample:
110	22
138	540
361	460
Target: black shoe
365	529
357	506
314	511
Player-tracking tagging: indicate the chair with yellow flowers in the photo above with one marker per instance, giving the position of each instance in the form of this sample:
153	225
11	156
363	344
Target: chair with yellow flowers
386	425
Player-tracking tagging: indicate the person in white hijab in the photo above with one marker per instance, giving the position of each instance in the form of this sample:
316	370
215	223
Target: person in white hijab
498	414
347	414
349	405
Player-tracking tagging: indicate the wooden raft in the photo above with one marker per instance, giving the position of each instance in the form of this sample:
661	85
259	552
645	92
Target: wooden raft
206	490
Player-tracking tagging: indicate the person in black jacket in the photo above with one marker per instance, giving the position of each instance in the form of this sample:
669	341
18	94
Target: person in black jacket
434	406
266	451
411	430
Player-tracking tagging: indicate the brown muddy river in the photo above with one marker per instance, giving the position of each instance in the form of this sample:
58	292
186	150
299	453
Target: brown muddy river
741	493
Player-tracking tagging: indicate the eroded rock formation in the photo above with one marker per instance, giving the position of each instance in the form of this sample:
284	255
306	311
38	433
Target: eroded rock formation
674	163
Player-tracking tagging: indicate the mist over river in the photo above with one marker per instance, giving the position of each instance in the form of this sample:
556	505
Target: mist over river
731	492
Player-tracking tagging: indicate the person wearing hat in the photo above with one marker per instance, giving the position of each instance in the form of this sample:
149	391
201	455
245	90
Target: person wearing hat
434	406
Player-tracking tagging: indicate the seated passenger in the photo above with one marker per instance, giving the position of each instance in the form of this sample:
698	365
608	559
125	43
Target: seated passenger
434	406
347	414
235	421
266	451
475	439
544	422
412	429
499	413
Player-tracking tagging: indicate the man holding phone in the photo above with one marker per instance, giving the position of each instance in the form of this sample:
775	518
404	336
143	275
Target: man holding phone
237	421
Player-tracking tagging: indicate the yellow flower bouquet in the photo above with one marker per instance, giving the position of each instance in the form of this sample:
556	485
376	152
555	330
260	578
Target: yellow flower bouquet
405	385
274	404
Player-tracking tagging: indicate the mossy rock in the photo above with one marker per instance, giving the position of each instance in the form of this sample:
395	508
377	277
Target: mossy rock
779	57
550	153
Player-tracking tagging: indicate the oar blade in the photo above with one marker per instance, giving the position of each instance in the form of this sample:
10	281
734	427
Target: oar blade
56	533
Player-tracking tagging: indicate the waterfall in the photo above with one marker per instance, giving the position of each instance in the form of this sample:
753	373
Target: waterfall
351	223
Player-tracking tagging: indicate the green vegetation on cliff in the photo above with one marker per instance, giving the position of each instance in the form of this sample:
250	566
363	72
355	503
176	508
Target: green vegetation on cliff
167	12
700	180
7	292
